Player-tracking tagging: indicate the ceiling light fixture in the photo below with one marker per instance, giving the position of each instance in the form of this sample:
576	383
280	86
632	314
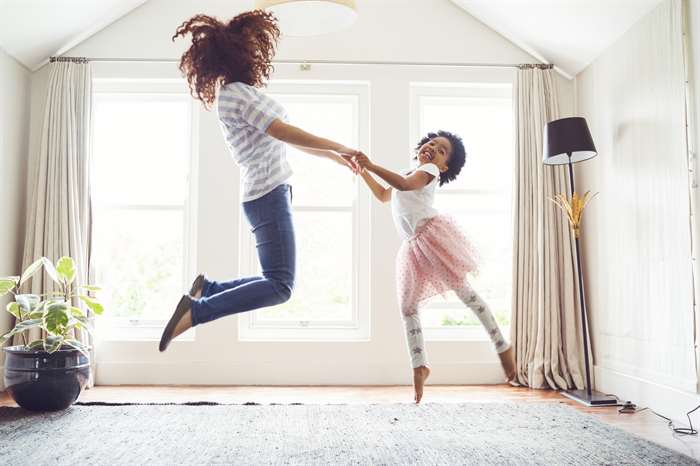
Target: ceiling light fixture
310	17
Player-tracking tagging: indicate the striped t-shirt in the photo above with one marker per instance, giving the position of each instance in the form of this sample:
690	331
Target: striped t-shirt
245	114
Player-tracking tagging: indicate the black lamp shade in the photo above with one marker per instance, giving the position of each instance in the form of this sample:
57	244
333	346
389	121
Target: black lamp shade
568	140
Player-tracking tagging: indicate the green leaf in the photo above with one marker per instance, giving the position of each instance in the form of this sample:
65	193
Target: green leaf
27	324
35	344
19	328
82	323
79	346
90	288
50	269
66	269
52	343
31	270
7	284
40	310
15	310
77	312
92	303
56	318
36	314
83	328
27	301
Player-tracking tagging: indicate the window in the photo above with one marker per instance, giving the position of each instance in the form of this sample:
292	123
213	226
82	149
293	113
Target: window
331	220
140	189
480	198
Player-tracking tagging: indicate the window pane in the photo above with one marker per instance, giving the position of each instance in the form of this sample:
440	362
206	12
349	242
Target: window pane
486	128
484	209
139	261
324	280
320	182
142	146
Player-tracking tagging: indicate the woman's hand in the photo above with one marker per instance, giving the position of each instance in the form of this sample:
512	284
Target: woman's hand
347	161
346	151
416	180
362	161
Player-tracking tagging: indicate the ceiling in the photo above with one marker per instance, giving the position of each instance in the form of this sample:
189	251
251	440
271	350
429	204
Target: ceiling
568	33
33	30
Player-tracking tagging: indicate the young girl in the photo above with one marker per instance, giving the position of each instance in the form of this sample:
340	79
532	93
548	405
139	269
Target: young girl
435	256
232	60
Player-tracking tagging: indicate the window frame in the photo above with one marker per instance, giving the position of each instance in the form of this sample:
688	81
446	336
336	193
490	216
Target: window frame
149	329
250	327
473	90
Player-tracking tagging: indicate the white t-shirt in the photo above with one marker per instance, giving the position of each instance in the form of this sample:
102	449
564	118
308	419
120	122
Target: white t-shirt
411	208
245	114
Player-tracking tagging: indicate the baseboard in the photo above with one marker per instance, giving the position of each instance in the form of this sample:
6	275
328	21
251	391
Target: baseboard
669	401
207	373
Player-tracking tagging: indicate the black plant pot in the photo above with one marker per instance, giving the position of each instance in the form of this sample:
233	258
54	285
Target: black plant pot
40	381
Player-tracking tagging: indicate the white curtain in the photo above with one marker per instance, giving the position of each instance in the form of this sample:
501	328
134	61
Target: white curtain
58	208
545	326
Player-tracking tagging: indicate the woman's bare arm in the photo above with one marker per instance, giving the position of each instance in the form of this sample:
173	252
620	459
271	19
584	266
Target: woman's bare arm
330	155
300	138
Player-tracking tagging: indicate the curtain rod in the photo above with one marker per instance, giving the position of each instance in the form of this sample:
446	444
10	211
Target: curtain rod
318	62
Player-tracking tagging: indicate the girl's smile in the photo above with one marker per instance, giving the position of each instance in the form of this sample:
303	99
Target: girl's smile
436	151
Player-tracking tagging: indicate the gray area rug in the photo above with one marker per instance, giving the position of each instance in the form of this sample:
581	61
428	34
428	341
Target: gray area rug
386	434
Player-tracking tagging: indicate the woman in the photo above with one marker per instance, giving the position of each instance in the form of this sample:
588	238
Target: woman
233	60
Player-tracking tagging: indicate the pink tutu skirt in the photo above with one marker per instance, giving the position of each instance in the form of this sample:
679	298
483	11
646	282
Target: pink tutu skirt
437	259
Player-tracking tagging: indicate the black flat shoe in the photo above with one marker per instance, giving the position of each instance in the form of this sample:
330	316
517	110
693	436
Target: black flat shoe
197	285
183	306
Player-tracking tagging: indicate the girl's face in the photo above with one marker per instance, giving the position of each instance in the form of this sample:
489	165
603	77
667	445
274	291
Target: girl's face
436	151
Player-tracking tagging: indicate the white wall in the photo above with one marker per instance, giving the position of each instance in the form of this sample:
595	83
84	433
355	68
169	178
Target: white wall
636	239
693	17
386	30
14	126
694	30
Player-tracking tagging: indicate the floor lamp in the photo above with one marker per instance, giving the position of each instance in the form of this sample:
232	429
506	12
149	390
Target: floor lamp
567	141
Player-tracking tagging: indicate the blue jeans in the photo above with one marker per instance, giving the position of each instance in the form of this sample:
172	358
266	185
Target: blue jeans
270	219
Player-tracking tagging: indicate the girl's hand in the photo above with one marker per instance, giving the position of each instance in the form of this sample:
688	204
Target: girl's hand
362	161
349	156
348	161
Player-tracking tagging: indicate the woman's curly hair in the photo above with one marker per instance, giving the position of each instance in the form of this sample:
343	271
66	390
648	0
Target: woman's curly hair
221	53
457	157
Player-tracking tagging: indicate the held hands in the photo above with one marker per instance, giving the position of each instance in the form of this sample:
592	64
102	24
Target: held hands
355	160
362	161
346	157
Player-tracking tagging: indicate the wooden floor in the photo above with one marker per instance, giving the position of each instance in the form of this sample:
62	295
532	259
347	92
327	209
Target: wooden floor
644	424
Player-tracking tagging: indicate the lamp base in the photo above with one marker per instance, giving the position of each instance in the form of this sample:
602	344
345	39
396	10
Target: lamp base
592	399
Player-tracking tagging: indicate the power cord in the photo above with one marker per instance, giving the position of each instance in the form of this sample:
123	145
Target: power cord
629	407
681	430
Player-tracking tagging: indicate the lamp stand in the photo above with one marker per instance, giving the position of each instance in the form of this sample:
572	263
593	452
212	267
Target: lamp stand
588	397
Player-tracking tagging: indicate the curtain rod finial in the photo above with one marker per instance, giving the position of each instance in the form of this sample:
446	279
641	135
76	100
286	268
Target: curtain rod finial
69	59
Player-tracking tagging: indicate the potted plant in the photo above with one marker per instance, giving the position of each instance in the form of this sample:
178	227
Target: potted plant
48	373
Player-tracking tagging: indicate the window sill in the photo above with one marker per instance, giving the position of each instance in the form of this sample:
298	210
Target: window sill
303	334
457	333
137	330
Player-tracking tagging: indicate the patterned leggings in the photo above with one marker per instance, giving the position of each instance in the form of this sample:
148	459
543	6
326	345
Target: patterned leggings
414	331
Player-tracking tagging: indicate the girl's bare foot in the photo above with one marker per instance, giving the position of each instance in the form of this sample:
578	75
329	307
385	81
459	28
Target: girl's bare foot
508	362
420	375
